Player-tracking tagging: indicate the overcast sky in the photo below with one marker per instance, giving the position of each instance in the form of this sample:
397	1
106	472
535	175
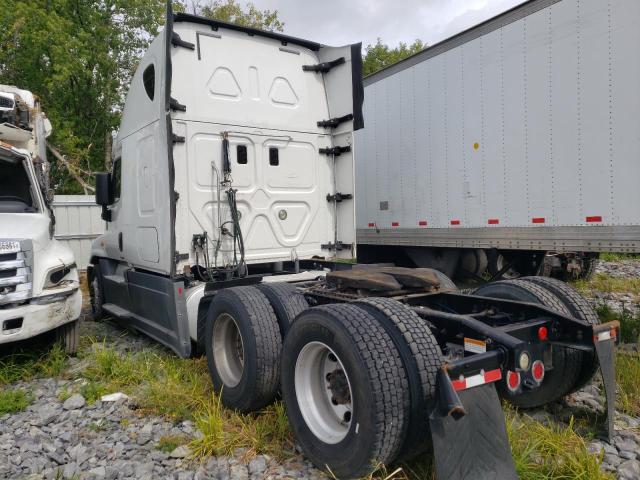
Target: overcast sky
340	22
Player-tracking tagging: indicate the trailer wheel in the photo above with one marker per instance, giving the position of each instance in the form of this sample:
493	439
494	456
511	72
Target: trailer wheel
287	302
590	263
68	335
94	280
496	261
579	308
243	346
421	357
558	381
345	390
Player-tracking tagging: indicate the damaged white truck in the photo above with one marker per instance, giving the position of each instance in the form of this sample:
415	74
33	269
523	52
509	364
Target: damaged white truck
39	286
230	199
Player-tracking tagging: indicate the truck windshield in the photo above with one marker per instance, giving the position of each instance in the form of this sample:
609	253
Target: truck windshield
15	188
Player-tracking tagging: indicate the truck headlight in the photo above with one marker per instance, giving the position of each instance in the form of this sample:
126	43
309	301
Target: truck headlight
56	276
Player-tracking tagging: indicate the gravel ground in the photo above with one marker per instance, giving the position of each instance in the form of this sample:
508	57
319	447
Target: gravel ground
52	439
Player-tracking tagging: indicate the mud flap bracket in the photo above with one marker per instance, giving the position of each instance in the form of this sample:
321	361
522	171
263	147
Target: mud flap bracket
469	434
604	338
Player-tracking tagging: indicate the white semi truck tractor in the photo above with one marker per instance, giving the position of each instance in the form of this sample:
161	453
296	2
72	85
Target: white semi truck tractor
39	286
228	208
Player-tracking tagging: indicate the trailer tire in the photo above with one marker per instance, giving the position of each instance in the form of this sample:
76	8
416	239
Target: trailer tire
287	303
370	367
557	382
68	335
446	284
579	308
421	357
243	347
96	295
590	263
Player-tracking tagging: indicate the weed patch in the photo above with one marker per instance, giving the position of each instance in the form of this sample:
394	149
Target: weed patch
628	379
608	284
25	362
12	401
550	452
168	443
618	257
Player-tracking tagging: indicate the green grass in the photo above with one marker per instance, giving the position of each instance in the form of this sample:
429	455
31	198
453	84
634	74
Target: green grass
12	401
607	284
618	257
168	443
39	359
550	451
629	323
181	389
628	380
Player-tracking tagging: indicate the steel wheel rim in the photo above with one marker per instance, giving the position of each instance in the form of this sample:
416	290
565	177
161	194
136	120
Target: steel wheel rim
324	393
228	350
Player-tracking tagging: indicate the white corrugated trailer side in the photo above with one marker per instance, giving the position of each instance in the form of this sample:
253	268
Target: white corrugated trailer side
522	133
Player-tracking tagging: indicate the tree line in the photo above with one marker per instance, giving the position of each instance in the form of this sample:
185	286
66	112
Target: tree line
78	57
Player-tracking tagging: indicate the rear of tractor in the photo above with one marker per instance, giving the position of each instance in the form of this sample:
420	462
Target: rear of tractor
378	364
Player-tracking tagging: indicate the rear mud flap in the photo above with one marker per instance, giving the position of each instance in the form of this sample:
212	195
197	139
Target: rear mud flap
475	446
605	350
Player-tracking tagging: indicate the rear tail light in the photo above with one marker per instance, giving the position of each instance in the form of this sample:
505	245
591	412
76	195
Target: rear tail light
543	333
537	371
513	381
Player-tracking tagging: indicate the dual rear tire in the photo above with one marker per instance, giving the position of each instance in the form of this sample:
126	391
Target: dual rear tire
571	369
356	379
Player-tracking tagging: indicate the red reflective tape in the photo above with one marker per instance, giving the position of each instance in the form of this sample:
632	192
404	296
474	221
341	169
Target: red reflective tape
372	224
459	384
395	224
537	220
595	218
493	375
475	380
455	222
493	221
422	223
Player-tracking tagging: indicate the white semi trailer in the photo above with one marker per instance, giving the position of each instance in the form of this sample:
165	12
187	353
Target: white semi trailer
513	140
231	194
39	286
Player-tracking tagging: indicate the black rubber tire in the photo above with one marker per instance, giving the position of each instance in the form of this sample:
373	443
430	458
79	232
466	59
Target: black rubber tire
68	335
96	294
558	381
590	264
579	308
421	357
287	303
379	386
446	284
262	347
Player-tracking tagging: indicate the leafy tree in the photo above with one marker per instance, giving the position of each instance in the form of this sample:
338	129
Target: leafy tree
379	56
78	57
231	11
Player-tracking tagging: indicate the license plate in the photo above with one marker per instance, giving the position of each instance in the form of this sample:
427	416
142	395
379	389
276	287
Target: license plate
9	246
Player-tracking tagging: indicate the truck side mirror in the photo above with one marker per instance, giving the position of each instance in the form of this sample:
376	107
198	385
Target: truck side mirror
103	189
104	194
